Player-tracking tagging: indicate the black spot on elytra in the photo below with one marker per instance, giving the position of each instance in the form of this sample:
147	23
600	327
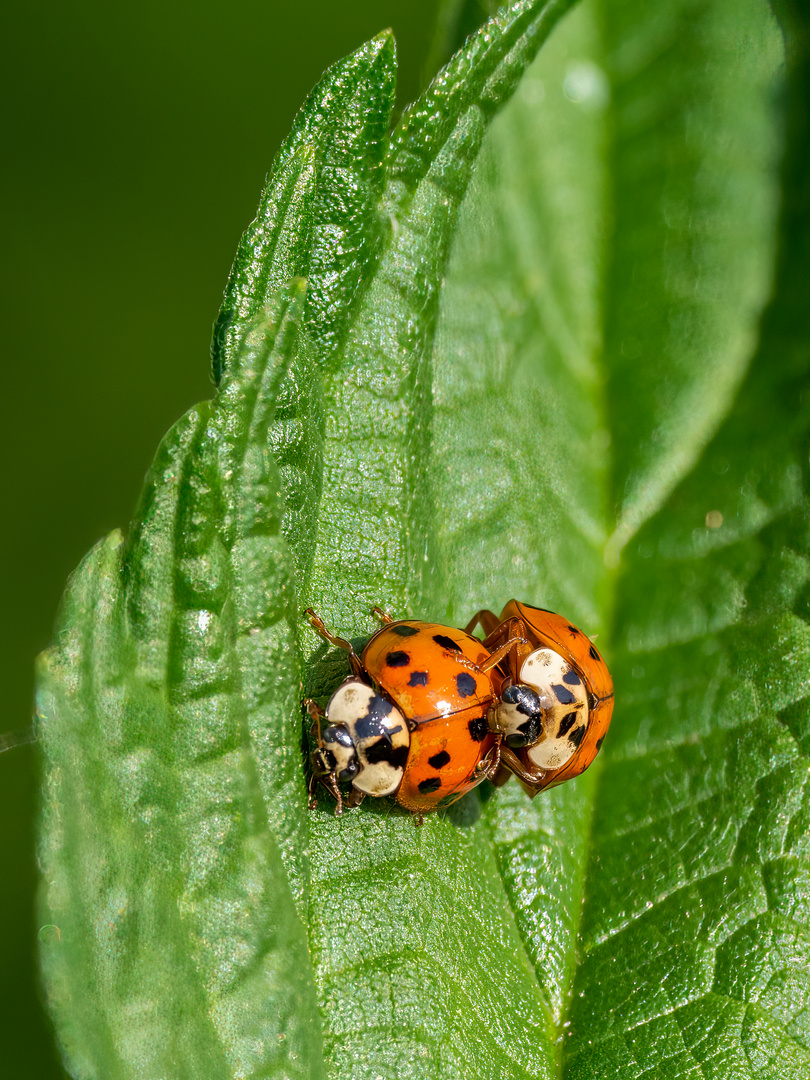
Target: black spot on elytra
572	678
573	630
438	761
478	728
395	756
564	696
465	684
405	631
431	784
418	678
599	743
566	724
593	653
397	659
577	735
447	642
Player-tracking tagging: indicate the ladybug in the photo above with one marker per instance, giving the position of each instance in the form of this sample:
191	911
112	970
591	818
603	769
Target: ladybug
411	721
556	698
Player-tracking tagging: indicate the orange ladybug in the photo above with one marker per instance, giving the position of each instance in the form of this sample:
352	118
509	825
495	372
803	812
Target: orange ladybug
411	721
556	697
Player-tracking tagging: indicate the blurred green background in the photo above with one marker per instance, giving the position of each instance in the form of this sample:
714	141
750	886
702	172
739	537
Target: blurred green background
137	140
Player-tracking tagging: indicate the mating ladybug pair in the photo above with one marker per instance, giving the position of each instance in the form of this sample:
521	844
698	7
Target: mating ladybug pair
429	711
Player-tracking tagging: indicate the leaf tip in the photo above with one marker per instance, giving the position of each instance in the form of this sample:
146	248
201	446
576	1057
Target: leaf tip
114	539
384	42
380	53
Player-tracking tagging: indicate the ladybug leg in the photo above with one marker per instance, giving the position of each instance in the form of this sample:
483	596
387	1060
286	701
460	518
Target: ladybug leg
317	714
501	652
355	798
490	763
383	616
418	819
516	626
328	781
502	776
312	787
512	762
513	629
488	619
496	635
331	785
317	625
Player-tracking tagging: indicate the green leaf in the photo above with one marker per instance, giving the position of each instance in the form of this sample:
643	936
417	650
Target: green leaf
178	950
551	347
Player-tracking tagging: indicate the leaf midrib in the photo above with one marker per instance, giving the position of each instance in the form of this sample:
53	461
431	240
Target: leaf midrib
598	533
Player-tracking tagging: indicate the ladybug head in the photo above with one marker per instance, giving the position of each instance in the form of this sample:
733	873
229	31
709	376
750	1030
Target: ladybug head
519	716
336	754
546	714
